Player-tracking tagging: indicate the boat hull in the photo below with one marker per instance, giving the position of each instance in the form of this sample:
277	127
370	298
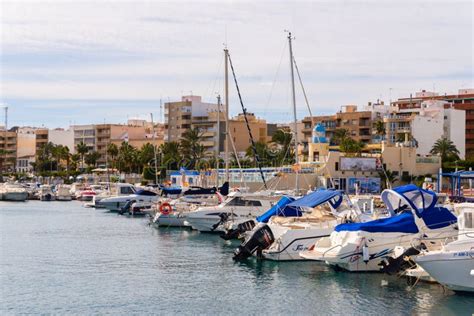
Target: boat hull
15	196
171	220
454	269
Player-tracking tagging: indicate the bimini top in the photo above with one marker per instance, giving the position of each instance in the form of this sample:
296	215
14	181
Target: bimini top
334	197
400	201
145	193
411	196
290	208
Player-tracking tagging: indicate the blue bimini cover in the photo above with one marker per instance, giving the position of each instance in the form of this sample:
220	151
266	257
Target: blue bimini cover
279	209
334	197
145	192
170	191
403	223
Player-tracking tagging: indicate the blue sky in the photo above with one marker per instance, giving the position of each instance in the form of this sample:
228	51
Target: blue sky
66	62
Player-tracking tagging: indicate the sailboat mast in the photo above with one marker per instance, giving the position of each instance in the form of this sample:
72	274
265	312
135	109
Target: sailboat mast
226	91
154	147
218	138
294	112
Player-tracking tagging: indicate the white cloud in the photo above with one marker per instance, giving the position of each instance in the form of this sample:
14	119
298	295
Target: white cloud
347	51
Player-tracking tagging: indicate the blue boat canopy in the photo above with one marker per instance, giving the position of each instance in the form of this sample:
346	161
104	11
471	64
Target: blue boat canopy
280	209
399	201
145	192
410	195
403	223
288	207
334	197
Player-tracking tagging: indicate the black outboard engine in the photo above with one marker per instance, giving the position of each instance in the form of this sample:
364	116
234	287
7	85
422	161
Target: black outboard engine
223	218
403	262
261	239
241	228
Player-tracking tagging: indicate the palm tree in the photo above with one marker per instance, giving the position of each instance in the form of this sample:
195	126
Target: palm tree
388	178
127	156
262	152
66	155
75	159
113	151
379	129
446	149
191	147
340	135
91	158
171	155
82	149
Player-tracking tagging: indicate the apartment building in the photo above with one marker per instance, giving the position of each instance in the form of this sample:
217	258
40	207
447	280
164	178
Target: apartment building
426	124
8	150
211	131
239	132
463	100
41	137
179	115
84	134
357	123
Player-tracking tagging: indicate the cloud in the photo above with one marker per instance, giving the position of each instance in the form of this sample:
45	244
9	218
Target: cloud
347	52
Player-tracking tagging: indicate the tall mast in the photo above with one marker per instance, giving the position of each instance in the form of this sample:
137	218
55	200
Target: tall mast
218	137
294	111
154	146
226	91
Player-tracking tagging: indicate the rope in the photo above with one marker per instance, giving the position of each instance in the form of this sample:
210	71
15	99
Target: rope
244	110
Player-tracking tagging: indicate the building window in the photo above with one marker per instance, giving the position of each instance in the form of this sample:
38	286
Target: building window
336	166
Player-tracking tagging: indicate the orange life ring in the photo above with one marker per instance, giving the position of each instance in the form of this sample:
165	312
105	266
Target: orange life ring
165	208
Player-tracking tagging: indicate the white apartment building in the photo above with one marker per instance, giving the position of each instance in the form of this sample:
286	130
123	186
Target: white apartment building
62	137
426	124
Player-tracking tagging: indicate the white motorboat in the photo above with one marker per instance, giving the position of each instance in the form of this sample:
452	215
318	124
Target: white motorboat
174	213
238	207
363	246
45	193
117	203
453	264
63	192
13	192
298	225
113	190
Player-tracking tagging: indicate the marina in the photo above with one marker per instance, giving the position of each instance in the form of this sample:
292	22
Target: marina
67	259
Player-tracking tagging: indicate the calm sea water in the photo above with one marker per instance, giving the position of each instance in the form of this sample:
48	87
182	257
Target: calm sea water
61	258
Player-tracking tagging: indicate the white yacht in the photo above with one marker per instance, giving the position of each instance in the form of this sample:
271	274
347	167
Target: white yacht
363	246
174	212
453	264
63	192
13	192
238	207
113	190
117	203
45	193
297	225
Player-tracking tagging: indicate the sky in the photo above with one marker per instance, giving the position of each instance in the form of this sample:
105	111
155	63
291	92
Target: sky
65	62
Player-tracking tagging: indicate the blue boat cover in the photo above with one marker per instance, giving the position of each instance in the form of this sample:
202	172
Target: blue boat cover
171	191
421	201
145	192
438	217
403	223
280	209
319	197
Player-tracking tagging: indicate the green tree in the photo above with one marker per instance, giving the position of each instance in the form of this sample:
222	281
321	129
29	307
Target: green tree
91	158
191	146
112	152
379	129
127	157
82	150
171	155
446	149
350	146
388	178
340	135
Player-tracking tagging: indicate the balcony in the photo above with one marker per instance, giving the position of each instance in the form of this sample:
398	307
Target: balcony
208	143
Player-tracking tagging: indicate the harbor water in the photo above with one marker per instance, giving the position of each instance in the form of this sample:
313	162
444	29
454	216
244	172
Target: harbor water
62	258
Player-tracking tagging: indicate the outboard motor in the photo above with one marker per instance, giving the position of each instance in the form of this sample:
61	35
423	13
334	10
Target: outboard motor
261	238
241	228
223	219
401	263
